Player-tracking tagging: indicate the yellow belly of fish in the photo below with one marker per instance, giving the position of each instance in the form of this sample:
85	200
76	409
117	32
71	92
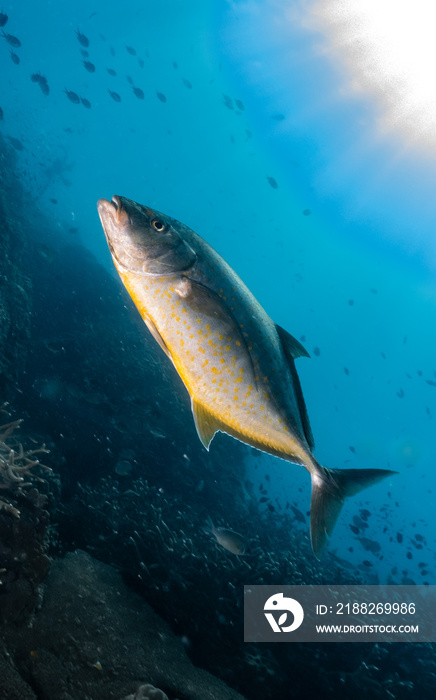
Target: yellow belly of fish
213	363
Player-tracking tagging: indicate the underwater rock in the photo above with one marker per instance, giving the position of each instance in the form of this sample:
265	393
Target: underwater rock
95	638
147	692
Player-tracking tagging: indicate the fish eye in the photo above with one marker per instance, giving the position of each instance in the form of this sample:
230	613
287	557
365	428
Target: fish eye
158	225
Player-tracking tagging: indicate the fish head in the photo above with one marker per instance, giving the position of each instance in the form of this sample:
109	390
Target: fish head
143	241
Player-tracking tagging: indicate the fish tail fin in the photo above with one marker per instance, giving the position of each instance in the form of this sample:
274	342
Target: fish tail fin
330	488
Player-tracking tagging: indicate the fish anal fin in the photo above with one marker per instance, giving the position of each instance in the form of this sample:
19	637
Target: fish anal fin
291	344
156	335
206	424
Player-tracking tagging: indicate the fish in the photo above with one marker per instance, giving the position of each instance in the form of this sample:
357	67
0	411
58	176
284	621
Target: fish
115	96
236	363
82	39
89	66
138	92
72	96
1	114
161	96
272	182
232	541
3	19
86	103
111	71
12	40
15	58
131	50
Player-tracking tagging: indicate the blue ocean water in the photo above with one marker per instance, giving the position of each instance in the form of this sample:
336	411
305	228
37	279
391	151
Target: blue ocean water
243	128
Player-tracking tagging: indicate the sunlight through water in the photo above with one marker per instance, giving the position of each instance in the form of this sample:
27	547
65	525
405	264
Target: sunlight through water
389	51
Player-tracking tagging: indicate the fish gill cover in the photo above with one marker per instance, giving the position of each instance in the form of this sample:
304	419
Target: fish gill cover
238	121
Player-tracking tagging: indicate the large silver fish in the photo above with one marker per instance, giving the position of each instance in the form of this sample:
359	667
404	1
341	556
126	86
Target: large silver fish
236	363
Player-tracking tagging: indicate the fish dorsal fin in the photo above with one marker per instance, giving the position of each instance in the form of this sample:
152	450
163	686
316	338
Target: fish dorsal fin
293	345
156	335
292	348
206	424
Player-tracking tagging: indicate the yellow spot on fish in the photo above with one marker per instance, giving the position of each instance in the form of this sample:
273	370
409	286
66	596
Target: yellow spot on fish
198	320
238	343
205	363
226	348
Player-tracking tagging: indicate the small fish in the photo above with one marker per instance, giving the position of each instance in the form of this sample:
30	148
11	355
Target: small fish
399	537
346	370
272	182
187	83
228	102
240	105
352	449
111	71
306	212
131	50
35	77
219	337
86	103
278	117
264	499
141	62
316	351
43	84
354	529
161	96
12	40
232	541
112	51
89	66
3	19
84	53
82	39
430	382
129	79
138	92
15	58
299	516
1	114
72	96
53	201
115	96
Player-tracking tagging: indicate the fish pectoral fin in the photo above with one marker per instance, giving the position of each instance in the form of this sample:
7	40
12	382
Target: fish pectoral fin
291	344
156	335
206	424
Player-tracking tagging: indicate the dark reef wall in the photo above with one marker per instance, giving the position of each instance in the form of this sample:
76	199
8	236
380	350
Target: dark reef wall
15	286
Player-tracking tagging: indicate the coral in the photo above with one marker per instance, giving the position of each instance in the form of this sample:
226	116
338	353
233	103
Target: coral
16	464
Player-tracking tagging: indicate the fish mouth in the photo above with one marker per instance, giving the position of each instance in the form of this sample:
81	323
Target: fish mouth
111	211
116	201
